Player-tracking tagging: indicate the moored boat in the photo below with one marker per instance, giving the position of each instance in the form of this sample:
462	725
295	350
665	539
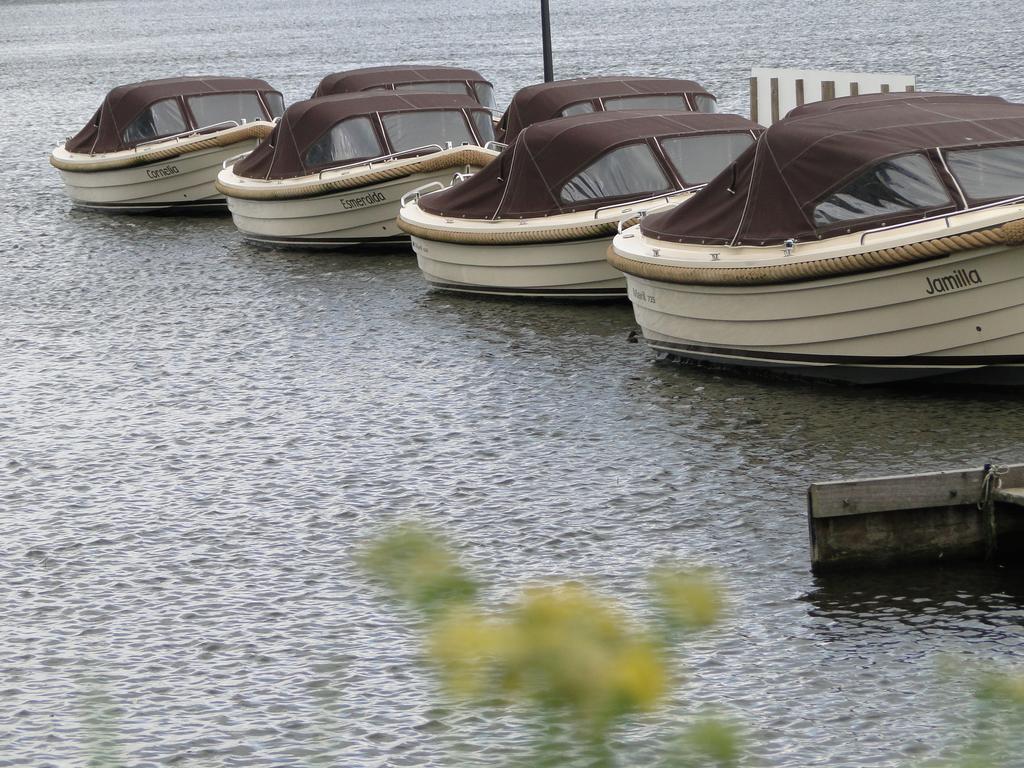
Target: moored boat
872	239
158	145
585	95
538	221
335	168
410	78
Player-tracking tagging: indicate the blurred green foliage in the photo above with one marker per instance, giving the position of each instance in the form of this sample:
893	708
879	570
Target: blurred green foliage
563	651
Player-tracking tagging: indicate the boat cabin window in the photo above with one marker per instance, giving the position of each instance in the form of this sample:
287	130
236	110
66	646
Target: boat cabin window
162	118
410	130
217	108
631	171
485	95
275	103
351	139
457	88
484	125
896	185
993	173
705	103
698	159
580	108
667	101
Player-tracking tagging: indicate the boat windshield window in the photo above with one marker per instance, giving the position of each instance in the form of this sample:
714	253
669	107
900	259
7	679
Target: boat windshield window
698	159
275	103
217	108
484	125
631	171
409	130
163	118
485	95
351	139
900	184
993	173
705	103
458	88
580	108
667	101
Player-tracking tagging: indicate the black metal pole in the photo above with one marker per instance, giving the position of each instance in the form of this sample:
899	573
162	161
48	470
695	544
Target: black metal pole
545	22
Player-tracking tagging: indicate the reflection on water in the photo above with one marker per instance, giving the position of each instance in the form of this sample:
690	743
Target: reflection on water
196	433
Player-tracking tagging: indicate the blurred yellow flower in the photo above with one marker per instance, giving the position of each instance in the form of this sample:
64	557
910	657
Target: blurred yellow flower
419	569
559	647
469	649
689	599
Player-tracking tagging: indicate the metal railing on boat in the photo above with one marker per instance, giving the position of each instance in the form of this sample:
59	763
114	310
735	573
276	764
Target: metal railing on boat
384	158
944	216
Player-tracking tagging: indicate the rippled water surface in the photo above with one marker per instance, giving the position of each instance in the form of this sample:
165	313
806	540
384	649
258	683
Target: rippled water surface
196	434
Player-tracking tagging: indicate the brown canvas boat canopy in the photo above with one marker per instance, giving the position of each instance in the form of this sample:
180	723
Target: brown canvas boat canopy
564	98
588	161
854	164
408	79
331	131
140	112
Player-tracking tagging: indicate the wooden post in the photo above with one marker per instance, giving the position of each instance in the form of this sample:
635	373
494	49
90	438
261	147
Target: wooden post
939	516
884	88
753	99
545	22
775	100
828	90
799	92
909	89
855	89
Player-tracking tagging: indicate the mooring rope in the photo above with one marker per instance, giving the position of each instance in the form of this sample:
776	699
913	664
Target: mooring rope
992	481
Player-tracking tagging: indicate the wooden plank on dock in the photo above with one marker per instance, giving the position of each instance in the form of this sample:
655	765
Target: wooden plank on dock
753	99
860	497
938	516
1012	496
775	99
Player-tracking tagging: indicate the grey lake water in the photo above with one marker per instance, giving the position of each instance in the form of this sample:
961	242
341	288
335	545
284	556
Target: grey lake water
196	435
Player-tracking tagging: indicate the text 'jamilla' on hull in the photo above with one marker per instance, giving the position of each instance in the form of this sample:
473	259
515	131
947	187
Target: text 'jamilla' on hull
158	146
333	172
872	239
539	220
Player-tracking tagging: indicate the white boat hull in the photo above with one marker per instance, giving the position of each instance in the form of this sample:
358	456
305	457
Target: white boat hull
571	269
959	318
170	185
361	216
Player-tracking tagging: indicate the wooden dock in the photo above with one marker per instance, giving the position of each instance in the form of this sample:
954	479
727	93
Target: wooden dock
973	514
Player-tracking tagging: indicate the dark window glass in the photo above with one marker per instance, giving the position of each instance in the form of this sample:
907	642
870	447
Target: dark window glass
484	125
410	130
349	140
705	103
989	174
275	103
671	101
581	108
458	88
698	159
630	171
901	184
485	95
217	108
163	118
